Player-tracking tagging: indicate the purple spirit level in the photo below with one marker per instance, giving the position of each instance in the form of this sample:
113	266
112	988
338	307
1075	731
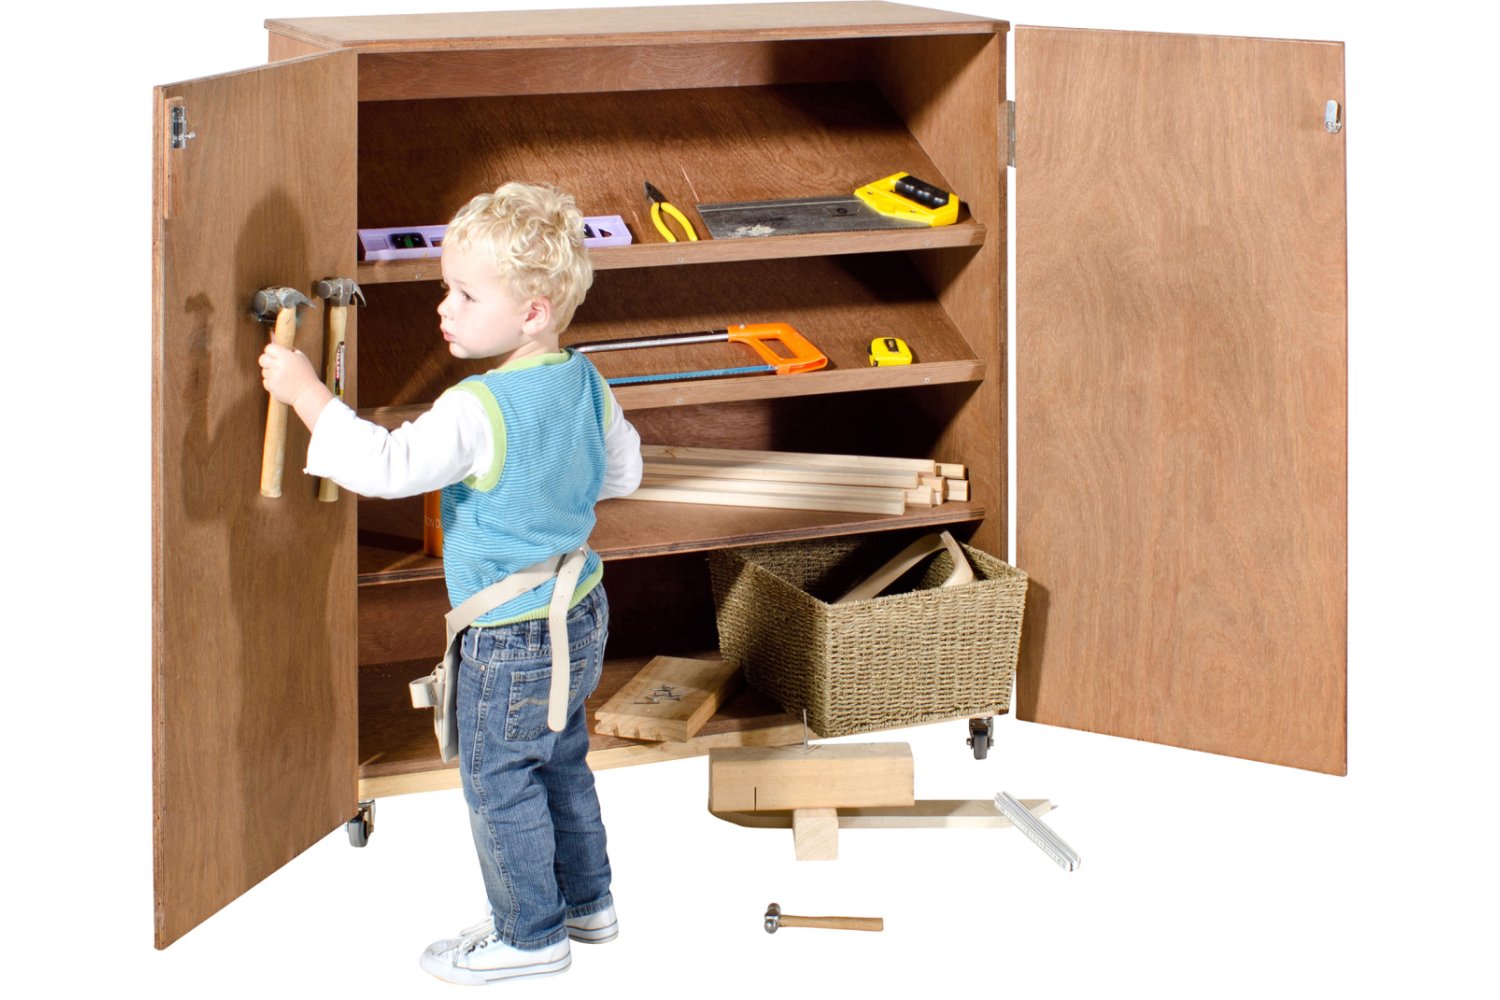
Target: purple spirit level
412	242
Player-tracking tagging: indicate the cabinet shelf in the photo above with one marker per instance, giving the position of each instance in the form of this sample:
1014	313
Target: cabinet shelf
397	752
965	233
390	543
838	303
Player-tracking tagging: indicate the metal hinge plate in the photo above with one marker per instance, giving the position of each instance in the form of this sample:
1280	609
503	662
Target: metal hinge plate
180	133
1010	133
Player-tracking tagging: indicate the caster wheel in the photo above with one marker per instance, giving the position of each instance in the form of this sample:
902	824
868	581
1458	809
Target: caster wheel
981	737
362	825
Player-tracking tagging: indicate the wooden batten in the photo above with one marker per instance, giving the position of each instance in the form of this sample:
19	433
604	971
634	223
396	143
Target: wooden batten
827	775
811	500
772	472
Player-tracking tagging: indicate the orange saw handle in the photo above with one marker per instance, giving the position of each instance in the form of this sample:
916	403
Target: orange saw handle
802	356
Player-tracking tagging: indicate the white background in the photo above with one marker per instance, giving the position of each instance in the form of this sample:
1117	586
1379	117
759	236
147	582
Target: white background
1202	876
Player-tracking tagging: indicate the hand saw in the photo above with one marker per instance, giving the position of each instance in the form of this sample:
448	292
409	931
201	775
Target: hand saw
801	355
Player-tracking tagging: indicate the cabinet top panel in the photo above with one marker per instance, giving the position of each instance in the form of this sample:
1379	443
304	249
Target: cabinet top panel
626	26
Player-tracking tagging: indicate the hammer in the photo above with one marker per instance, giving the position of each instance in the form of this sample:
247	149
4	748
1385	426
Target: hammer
276	304
339	293
775	918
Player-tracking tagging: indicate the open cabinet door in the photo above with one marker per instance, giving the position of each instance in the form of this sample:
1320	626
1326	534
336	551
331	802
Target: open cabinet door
1181	390
254	658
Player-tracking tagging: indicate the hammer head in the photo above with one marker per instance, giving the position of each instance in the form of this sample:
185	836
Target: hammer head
339	291
773	918
271	301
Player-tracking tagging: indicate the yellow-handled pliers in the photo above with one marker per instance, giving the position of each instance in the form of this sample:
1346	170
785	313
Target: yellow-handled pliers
660	204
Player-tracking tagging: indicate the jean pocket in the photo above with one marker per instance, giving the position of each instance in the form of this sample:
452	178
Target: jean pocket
526	716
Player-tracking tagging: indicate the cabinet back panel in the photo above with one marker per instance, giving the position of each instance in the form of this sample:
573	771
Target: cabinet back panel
400	76
420	161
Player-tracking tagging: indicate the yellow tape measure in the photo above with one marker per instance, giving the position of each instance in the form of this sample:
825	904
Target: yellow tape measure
887	351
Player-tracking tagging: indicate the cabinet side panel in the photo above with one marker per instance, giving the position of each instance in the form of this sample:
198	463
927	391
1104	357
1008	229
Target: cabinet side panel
950	92
254	683
1182	391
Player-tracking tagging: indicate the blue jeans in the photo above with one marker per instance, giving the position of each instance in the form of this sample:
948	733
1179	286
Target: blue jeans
532	804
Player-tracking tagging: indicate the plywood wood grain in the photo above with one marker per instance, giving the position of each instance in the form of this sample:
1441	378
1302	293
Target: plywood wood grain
1181	393
253	691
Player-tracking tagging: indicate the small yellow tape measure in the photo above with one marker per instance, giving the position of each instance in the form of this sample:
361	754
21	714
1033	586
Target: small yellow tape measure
887	351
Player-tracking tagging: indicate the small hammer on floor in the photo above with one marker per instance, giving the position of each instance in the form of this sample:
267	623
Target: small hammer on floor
775	918
276	305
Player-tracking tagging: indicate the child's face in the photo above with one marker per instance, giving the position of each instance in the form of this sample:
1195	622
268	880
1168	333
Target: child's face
481	317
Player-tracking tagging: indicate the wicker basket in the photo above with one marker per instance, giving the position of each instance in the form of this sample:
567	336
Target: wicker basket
927	654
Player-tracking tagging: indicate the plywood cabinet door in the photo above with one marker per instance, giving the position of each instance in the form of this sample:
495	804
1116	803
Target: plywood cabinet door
1181	403
254	693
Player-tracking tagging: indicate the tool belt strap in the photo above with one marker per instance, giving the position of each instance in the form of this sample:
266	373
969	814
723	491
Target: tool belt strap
425	692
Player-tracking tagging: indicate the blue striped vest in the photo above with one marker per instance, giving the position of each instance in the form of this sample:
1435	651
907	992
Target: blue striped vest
548	416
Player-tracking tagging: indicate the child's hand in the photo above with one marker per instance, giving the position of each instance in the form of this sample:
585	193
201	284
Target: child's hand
286	373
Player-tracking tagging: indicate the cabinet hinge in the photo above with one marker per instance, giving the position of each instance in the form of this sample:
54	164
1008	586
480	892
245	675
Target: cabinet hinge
1010	133
180	133
1333	119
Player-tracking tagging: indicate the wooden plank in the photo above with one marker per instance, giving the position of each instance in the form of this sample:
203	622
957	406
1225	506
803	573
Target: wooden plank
253	599
670	699
924	814
1182	410
823	775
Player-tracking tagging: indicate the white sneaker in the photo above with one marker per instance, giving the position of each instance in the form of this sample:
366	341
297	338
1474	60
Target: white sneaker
477	957
596	928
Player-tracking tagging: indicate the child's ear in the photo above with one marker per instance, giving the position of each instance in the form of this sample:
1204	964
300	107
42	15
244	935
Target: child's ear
538	316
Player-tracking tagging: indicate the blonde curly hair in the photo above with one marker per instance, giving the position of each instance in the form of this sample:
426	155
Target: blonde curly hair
534	235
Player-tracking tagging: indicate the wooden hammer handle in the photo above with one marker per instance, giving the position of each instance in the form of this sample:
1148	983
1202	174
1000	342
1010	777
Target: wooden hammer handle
333	377
835	923
273	455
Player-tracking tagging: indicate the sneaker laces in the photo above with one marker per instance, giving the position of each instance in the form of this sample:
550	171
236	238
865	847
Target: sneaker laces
473	938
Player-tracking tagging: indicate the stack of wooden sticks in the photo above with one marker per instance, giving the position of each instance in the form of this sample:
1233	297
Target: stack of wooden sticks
797	480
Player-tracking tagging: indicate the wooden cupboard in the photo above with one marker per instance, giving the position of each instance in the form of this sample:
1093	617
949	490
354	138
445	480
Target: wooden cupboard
1180	409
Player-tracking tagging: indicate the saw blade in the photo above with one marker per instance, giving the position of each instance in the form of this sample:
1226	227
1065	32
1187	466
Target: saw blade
728	220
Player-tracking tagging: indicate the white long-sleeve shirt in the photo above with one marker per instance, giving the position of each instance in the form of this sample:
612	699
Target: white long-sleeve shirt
445	445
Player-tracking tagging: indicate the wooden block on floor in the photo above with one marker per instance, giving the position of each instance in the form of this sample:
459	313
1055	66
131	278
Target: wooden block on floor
669	700
827	776
815	834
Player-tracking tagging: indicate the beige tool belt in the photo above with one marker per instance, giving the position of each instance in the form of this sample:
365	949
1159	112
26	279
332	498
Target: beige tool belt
439	689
